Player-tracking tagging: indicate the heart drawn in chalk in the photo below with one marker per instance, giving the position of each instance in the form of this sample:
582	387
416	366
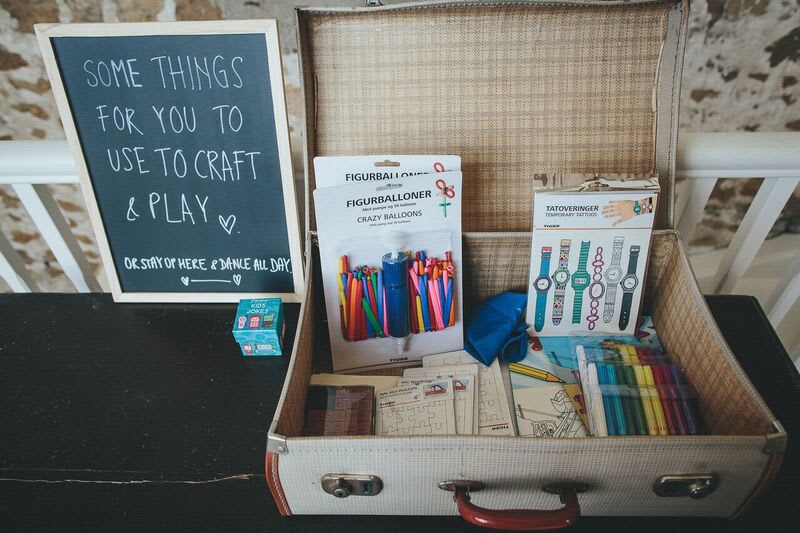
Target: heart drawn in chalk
185	280
237	279
227	223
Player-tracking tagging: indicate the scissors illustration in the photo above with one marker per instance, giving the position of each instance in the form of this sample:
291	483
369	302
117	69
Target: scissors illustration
438	167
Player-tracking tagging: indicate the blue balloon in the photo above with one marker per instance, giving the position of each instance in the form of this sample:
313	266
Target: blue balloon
497	328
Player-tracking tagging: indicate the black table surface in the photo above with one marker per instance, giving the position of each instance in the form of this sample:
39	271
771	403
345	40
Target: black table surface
144	417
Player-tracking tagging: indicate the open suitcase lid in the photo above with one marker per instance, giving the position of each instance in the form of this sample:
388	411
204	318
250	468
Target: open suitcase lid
513	87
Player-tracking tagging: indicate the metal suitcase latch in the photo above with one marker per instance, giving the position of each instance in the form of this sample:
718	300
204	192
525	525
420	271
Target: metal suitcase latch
344	485
694	486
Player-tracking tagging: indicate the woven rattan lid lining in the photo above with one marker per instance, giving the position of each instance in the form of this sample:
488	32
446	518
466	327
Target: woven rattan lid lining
512	89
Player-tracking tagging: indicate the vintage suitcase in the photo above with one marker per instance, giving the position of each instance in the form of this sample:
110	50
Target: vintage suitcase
516	88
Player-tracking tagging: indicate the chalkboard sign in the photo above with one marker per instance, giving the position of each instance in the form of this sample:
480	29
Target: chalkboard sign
180	135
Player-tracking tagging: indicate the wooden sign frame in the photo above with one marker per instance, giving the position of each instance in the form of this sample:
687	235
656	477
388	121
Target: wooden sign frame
267	27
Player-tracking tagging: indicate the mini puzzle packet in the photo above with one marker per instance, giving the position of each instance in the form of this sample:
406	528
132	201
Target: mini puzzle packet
589	256
494	413
464	398
465	383
423	409
391	260
339	170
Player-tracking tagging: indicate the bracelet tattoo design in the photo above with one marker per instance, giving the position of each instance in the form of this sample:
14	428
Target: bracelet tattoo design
596	289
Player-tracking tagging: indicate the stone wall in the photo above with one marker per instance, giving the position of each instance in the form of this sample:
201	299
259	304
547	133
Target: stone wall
741	74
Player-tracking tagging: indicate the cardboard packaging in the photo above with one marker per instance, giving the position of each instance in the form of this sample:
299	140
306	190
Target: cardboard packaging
259	327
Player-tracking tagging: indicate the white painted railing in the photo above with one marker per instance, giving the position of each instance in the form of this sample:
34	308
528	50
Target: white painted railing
28	167
705	157
702	158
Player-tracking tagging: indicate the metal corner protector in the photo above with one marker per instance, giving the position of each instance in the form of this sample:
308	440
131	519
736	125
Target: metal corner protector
776	442
277	443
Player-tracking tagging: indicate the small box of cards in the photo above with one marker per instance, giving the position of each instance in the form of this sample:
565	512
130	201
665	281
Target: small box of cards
259	326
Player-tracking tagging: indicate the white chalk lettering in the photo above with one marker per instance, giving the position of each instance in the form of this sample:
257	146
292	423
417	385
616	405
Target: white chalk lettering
101	116
91	80
188	263
195	73
234	118
219	72
233	263
202	206
177	119
280	264
179	166
185	211
162	207
131	215
273	264
121	73
122	119
235	60
156	262
219	165
132	157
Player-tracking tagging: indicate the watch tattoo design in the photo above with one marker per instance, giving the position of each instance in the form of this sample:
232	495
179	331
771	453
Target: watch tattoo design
560	278
613	276
623	210
542	285
580	280
643	207
629	284
596	289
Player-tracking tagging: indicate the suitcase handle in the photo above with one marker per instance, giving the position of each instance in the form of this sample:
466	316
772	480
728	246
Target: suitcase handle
519	519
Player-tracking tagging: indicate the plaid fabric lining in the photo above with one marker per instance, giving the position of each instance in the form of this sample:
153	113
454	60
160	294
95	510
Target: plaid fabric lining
728	402
511	89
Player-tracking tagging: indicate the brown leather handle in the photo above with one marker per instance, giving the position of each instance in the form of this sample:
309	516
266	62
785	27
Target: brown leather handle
519	519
